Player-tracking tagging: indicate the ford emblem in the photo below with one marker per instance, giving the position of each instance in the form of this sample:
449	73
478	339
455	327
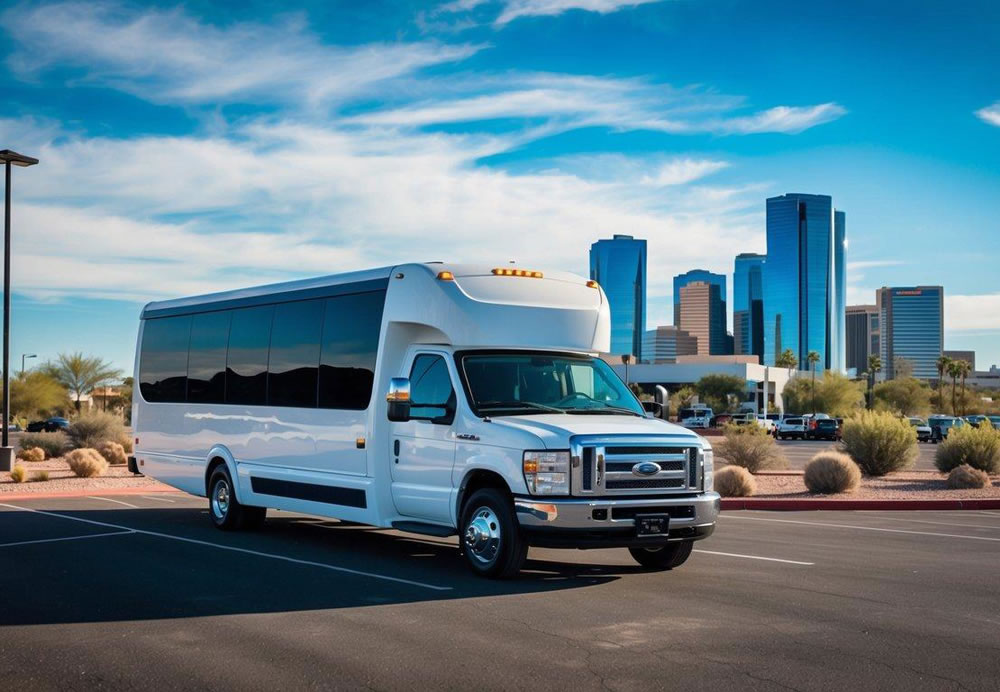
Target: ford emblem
646	468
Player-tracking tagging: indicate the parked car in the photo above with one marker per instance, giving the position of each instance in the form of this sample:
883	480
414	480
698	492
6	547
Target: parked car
696	417
791	428
721	419
823	429
942	425
975	420
53	424
995	420
766	423
923	430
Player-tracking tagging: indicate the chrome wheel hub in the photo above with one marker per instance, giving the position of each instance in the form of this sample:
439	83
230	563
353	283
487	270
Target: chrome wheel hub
220	498
482	536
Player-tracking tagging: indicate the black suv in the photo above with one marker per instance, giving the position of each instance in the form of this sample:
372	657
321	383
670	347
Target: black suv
824	429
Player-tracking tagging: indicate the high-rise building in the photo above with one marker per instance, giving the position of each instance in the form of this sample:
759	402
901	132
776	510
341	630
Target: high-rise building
748	305
682	280
912	327
805	280
664	344
861	336
703	315
968	356
619	266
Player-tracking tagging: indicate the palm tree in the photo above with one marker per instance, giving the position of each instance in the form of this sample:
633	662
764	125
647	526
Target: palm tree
874	367
964	368
80	374
942	367
786	359
813	358
954	372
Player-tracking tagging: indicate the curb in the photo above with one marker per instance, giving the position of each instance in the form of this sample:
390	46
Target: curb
151	490
817	505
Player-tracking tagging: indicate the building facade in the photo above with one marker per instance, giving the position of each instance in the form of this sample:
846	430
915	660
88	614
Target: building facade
619	266
682	280
968	356
748	305
912	327
862	325
664	344
702	314
805	280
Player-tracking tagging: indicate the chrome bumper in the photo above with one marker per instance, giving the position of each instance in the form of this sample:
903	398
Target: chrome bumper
579	513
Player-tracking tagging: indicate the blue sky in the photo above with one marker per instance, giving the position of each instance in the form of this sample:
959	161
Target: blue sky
204	146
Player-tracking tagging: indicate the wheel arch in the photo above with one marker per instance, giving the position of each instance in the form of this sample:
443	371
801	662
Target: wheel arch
220	456
474	480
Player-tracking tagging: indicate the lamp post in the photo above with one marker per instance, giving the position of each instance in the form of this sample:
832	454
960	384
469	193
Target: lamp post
9	158
26	355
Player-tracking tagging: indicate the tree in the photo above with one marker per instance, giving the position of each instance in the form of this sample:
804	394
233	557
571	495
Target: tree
942	367
902	367
906	396
80	374
835	395
874	367
813	359
786	359
34	392
681	398
964	368
719	390
954	372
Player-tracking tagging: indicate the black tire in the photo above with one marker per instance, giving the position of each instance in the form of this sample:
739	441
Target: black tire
663	557
489	535
225	510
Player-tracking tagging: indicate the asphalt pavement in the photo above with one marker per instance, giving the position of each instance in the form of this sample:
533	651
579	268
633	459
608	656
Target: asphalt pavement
799	452
140	592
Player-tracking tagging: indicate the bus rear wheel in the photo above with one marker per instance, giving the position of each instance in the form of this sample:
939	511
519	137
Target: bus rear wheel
663	557
225	510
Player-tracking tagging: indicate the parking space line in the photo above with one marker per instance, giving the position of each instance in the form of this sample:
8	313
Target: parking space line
863	528
67	538
158	499
755	557
108	499
246	551
994	527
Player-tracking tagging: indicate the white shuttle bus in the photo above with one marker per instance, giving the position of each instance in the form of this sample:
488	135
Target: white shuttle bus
435	399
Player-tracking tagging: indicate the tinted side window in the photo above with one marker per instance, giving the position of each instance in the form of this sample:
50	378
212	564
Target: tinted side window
293	367
431	393
163	358
206	382
246	363
350	339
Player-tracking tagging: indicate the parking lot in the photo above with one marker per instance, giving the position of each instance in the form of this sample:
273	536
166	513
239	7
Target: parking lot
141	592
799	452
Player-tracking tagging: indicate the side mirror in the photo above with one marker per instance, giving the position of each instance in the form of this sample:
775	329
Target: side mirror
398	398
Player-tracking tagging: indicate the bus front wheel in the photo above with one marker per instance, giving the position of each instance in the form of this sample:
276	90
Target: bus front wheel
490	538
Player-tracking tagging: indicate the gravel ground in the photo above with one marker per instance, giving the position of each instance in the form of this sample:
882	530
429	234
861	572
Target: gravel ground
61	479
905	485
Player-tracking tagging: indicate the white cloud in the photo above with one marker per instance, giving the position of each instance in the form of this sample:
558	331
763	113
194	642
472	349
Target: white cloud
527	8
788	119
683	171
990	114
969	312
868	264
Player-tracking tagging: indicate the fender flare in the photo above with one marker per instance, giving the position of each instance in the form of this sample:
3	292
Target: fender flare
221	452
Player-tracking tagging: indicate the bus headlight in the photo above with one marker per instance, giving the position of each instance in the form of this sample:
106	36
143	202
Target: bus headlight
707	470
547	473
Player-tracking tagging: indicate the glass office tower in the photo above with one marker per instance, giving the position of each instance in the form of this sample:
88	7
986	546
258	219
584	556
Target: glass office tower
682	280
805	280
912	327
619	266
748	305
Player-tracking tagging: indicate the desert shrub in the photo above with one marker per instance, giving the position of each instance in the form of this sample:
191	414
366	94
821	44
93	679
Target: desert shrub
18	474
965	476
977	447
734	481
749	446
832	472
126	442
91	429
113	452
86	462
879	442
41	476
31	454
54	443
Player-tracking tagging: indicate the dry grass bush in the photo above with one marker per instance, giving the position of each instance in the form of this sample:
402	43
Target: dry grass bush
750	447
734	481
113	452
31	454
880	442
126	442
965	476
977	447
54	443
41	476
18	474
91	429
831	472
86	462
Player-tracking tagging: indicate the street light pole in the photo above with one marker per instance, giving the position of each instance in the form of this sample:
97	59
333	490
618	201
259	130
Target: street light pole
9	158
26	355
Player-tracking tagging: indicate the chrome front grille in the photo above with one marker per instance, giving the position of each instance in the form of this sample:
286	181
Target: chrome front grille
607	465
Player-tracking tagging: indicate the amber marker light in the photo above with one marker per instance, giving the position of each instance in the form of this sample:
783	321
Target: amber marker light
446	276
593	284
507	271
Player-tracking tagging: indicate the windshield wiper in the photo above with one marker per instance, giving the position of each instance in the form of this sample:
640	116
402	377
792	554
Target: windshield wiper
602	409
519	404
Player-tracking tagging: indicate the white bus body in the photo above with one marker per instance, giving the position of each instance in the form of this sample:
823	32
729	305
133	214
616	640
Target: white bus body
277	397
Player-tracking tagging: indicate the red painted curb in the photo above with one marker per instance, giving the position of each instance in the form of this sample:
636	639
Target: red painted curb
153	489
800	505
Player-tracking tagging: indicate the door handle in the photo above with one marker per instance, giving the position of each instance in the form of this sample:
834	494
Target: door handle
467	436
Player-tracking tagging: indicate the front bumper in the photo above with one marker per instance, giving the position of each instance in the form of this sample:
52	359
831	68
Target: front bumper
605	523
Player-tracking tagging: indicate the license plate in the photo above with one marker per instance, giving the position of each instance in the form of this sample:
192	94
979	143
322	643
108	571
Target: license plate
652	524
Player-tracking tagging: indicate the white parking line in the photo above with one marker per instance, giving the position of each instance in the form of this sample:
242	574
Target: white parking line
158	499
862	528
755	557
247	551
67	538
994	527
108	499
